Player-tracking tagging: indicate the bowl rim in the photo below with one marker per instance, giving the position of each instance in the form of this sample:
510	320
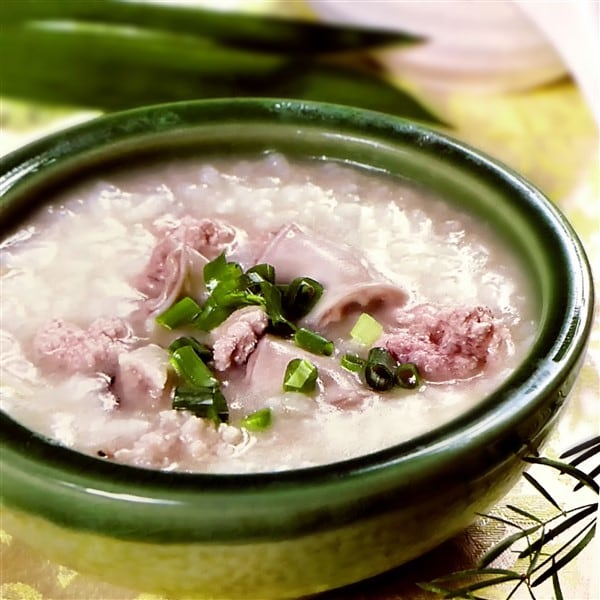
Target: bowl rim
472	431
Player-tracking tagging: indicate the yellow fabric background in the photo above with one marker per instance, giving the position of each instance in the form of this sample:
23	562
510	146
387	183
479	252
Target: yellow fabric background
549	136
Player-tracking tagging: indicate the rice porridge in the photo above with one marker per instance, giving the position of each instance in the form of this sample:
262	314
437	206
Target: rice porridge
253	316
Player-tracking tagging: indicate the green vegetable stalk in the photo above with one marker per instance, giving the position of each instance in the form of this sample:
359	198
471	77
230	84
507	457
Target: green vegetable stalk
114	55
235	29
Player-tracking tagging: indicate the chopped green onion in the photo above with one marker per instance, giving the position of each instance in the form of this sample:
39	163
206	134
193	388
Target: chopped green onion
220	406
380	370
202	350
230	292
353	362
300	376
274	309
191	368
301	296
313	342
261	272
407	376
180	313
219	270
211	315
366	330
204	402
230	289
258	421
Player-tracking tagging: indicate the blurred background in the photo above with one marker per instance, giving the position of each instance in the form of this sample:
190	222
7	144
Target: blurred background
518	79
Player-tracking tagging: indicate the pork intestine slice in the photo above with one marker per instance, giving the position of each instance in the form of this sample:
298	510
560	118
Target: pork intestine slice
350	283
177	261
265	371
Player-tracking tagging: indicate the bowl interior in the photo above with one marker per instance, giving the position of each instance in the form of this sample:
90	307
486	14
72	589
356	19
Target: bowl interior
550	251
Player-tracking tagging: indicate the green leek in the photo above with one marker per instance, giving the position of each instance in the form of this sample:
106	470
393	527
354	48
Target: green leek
258	421
115	54
407	376
353	363
204	402
191	368
380	370
181	313
202	350
300	376
313	342
233	29
301	295
366	330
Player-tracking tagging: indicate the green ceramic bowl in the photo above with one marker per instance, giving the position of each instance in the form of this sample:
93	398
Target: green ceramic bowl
276	535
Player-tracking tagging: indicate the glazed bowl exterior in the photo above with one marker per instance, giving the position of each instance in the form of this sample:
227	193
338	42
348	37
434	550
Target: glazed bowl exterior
287	534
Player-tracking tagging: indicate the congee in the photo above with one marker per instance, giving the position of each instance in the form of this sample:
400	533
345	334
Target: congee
259	315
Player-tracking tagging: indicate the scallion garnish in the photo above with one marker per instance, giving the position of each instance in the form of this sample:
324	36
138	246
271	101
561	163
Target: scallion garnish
300	376
380	370
230	289
220	406
407	376
258	421
313	342
192	369
261	272
353	362
205	402
231	292
300	297
202	350
199	391
219	270
180	313
366	330
212	315
273	304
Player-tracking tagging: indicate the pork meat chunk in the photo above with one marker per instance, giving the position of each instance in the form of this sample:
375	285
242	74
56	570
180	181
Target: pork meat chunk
447	344
66	348
141	376
236	338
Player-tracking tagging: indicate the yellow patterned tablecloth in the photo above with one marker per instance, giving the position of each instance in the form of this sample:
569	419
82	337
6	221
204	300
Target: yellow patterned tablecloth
549	136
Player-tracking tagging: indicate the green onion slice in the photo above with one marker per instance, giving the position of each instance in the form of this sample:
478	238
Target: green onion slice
380	370
261	272
313	342
353	362
180	313
202	350
258	421
366	330
230	289
274	309
220	406
301	295
407	376
212	315
191	368
300	376
204	402
219	270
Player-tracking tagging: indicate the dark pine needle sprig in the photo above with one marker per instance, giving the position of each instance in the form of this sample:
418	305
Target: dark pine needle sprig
543	545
